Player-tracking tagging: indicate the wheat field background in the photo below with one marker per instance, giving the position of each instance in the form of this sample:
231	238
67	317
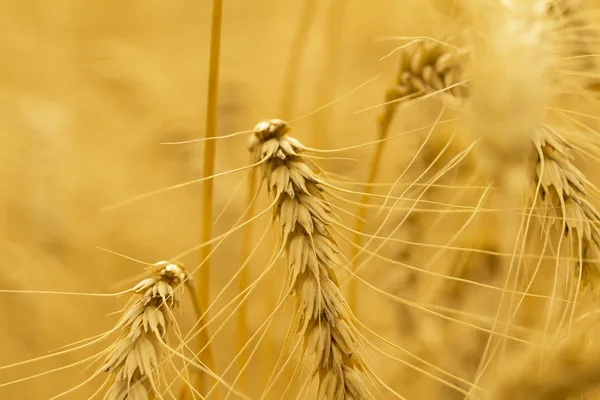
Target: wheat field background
91	91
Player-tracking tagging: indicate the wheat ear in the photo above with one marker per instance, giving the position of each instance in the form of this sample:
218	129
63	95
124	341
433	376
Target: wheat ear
423	68
303	217
563	190
133	361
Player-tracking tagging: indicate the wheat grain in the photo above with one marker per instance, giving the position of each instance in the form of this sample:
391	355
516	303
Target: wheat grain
303	217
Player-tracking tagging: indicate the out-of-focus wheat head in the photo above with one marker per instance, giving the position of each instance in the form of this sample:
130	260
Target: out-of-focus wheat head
512	85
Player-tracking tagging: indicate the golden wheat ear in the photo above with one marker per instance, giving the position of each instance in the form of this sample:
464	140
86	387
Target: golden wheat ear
303	217
133	362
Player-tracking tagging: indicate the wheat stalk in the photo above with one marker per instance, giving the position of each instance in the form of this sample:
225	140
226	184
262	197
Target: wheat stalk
329	73
303	218
298	49
208	169
133	361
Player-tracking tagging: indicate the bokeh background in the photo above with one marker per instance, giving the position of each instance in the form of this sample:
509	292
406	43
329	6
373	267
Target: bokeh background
89	92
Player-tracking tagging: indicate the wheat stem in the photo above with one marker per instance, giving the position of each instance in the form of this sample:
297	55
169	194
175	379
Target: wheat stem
294	62
208	170
329	72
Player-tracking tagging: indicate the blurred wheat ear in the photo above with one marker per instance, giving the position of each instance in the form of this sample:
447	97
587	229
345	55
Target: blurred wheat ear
425	67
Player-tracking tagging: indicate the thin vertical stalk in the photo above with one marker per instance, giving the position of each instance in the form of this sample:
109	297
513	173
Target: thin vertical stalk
294	63
328	76
210	147
208	170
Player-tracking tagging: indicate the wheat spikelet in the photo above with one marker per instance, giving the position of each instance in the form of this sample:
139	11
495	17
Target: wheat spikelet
563	189
133	361
303	217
